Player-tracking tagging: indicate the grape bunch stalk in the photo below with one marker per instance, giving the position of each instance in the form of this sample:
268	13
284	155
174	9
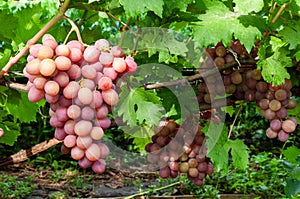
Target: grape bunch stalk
179	151
79	84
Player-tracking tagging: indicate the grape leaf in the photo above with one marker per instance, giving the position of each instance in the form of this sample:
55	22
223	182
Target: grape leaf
11	23
273	68
291	153
11	132
239	153
219	24
245	7
21	108
292	187
135	8
216	141
291	34
139	106
181	5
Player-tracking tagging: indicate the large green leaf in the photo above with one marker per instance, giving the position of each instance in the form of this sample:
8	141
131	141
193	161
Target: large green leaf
219	24
291	153
291	34
245	7
239	153
136	7
11	132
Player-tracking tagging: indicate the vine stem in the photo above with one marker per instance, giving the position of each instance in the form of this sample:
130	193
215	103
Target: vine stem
281	9
245	64
25	154
35	38
235	118
73	29
17	86
158	189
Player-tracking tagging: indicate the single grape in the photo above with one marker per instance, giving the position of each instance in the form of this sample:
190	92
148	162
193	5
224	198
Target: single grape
63	63
74	72
87	113
261	86
275	105
33	50
236	78
51	88
131	65
106	59
91	54
71	90
33	67
85	163
69	127
88	72
104	150
1	132
39	82
281	94
116	51
221	51
269	114
97	133
62	78
119	64
110	72
61	114
99	166
60	133
83	128
184	167
35	95
288	126
202	167
70	141
193	172
102	44
283	136
110	97
84	142
45	52
47	67
85	96
93	152
76	44
291	104
77	153
281	113
219	61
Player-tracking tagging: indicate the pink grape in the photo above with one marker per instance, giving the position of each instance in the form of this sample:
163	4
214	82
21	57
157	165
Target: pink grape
75	55
131	65
103	123
102	112
85	163
76	44
116	51
62	78
99	166
77	153
283	136
35	95
74	111
33	50
97	100
70	141
74	72
110	72
87	113
104	150
69	127
84	142
71	90
93	152
105	83
62	50
110	97
97	133
91	54
106	59
83	128
85	95
60	134
119	65
63	63
102	44
45	52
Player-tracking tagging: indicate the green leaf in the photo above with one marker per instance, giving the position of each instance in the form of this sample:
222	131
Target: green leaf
291	153
4	57
273	68
11	133
219	24
292	187
181	5
239	153
216	141
229	109
11	22
245	7
138	106
296	173
291	35
134	7
21	108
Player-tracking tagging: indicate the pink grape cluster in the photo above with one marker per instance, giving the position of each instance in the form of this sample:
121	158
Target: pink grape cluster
79	85
177	151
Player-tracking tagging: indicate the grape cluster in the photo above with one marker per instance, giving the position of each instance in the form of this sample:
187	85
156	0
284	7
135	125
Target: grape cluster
274	106
248	85
79	85
177	150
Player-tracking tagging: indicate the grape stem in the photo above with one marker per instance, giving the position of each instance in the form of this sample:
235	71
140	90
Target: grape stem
281	9
17	86
25	154
52	22
235	118
207	73
73	29
157	189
